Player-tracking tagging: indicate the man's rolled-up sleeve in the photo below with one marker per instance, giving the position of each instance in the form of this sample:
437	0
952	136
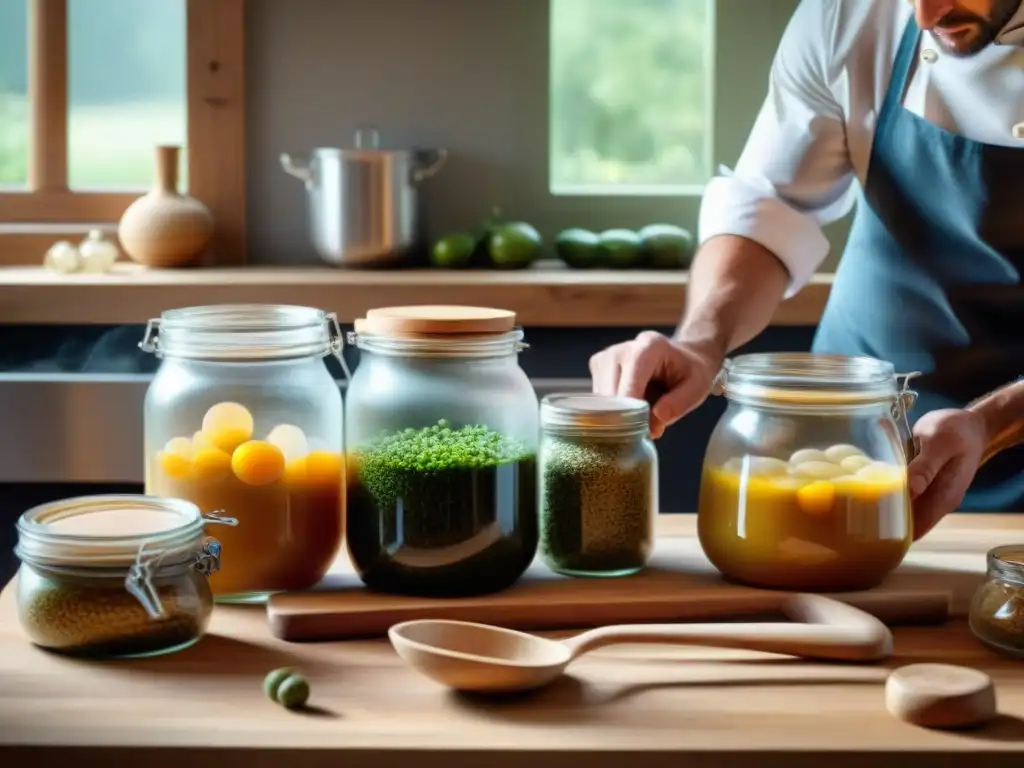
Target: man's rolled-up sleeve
794	174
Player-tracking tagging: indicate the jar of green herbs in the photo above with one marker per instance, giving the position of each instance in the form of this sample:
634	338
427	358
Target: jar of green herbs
598	485
441	434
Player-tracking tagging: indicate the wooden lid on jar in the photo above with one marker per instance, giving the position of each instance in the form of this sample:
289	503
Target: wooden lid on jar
436	319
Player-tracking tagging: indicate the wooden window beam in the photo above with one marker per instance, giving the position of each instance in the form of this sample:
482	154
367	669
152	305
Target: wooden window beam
48	95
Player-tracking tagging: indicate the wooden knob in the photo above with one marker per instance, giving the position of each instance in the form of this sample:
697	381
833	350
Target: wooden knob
940	696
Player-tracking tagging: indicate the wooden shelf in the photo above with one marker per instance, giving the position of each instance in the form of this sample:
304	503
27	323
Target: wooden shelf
546	295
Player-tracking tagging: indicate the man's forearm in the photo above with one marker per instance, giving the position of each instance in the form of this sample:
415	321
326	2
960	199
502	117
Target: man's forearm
735	287
1003	413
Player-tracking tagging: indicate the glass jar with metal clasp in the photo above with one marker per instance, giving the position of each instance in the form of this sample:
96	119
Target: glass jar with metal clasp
804	484
116	576
243	415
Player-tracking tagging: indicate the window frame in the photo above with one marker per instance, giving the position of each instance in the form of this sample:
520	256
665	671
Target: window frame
215	140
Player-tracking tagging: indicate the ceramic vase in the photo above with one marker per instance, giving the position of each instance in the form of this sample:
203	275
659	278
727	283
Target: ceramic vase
165	228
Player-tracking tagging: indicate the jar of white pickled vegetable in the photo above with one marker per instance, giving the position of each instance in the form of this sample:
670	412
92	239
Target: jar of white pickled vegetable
804	483
244	419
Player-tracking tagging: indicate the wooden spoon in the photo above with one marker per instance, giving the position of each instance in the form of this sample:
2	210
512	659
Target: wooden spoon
478	657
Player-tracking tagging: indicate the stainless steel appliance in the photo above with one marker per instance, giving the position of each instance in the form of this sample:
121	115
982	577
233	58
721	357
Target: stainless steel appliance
363	203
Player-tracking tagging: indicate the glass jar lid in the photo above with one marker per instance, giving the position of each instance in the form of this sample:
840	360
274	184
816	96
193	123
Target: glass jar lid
593	413
808	379
243	332
111	531
438	331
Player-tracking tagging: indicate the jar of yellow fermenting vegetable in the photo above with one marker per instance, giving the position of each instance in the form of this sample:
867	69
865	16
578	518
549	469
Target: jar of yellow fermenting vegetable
804	483
244	418
117	576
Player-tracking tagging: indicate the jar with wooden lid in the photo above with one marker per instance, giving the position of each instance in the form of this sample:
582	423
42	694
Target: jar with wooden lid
115	576
598	485
441	433
997	609
244	417
804	484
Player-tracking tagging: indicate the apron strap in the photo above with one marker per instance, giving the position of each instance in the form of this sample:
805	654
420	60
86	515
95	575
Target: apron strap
901	67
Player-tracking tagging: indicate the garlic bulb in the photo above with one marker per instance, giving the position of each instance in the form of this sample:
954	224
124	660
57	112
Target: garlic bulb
98	254
63	257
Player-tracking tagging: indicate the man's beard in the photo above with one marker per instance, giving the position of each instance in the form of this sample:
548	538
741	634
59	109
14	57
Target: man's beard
985	30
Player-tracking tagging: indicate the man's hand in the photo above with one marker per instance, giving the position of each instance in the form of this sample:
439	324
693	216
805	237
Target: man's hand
685	371
952	445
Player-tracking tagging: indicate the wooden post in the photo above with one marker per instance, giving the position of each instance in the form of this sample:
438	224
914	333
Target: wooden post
216	121
48	95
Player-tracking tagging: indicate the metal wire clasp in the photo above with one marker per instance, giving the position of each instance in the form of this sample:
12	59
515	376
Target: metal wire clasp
337	343
900	410
150	339
718	383
139	580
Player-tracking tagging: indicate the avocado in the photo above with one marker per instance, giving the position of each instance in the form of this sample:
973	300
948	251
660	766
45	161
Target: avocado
666	246
453	251
577	248
618	248
514	245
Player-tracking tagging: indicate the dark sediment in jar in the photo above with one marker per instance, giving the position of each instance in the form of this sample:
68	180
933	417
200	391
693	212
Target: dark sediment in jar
441	512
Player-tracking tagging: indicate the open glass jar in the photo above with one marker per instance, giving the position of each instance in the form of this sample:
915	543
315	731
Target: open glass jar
804	483
997	609
598	485
115	576
244	417
441	434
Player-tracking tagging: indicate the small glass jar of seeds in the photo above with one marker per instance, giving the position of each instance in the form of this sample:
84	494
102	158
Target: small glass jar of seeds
997	610
118	576
598	485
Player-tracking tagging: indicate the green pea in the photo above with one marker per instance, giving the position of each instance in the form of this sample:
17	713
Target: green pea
293	692
272	682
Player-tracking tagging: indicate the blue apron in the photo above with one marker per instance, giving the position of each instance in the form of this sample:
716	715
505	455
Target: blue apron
931	276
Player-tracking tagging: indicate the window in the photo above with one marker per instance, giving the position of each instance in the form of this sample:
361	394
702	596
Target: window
630	96
89	88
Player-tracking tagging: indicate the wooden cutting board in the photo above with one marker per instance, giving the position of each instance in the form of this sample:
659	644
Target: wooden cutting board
938	577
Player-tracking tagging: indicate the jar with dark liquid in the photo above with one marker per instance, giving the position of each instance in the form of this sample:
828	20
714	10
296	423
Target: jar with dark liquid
441	439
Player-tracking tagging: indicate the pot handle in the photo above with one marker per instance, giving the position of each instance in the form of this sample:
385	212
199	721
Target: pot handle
422	174
303	173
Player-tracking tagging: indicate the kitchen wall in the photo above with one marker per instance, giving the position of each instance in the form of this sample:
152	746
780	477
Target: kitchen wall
472	76
467	75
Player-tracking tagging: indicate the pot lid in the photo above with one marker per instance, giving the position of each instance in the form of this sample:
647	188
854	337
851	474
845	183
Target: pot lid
436	319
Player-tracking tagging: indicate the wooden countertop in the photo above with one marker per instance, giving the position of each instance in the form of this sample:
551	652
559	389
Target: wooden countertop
662	706
547	295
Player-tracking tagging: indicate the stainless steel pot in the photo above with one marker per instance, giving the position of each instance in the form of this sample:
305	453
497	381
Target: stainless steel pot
363	202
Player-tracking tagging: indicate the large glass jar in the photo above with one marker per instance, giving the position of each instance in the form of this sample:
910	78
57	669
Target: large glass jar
804	483
244	418
441	432
598	485
116	576
997	610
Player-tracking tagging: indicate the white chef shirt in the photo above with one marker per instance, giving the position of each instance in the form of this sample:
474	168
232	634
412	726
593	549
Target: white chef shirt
812	138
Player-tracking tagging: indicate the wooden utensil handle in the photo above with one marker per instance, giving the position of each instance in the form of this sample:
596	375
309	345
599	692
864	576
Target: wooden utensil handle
805	640
840	632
